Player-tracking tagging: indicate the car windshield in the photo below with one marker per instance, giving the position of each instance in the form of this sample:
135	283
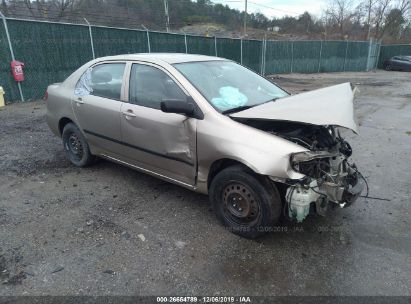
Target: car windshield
229	86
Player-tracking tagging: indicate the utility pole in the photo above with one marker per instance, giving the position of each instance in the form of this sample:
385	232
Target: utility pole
166	14
245	18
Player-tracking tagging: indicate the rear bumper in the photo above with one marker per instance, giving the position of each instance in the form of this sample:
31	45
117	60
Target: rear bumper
53	124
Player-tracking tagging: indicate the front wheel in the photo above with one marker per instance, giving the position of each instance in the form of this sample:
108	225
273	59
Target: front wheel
76	146
247	204
388	67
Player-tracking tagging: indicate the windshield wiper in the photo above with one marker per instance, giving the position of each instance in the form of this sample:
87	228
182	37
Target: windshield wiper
237	109
274	99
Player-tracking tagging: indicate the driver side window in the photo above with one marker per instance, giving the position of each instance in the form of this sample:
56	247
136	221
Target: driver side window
149	86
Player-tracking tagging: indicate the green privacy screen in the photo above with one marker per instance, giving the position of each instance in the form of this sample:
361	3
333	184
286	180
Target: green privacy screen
111	41
357	56
167	43
201	45
51	51
333	54
316	56
388	51
306	56
278	57
229	48
252	54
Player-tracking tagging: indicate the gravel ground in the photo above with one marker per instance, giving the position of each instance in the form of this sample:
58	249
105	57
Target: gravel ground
108	230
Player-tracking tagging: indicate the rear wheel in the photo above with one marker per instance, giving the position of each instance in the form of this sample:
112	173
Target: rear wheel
247	204
388	67
76	146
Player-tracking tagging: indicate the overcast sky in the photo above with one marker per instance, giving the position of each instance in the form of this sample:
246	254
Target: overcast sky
278	8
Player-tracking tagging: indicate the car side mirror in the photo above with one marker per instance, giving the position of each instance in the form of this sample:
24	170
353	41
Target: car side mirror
179	106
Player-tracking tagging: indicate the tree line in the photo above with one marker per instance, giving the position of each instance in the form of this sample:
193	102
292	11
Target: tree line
386	20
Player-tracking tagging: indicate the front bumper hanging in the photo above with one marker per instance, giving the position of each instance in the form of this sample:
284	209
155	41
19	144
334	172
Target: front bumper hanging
324	197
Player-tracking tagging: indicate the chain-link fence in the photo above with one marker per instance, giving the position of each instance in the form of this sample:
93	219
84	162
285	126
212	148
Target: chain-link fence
51	51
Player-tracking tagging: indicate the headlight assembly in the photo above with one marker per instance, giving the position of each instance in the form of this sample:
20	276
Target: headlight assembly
306	156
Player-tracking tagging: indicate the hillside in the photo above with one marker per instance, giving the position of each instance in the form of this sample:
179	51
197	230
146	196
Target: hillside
390	19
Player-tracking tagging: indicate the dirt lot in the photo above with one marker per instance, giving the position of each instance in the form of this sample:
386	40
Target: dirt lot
110	230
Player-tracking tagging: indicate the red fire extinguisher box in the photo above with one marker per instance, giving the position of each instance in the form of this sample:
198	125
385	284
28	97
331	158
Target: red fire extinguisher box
17	70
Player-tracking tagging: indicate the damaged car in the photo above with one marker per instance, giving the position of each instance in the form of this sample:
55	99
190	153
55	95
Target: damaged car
215	127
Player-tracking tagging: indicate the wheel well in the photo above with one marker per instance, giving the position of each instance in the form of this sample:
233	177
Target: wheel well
219	165
62	123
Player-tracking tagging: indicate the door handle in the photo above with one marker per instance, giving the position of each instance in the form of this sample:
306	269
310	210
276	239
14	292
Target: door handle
79	101
129	113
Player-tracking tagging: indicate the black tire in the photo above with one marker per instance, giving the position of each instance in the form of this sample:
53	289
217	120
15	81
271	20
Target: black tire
259	202
388	67
76	146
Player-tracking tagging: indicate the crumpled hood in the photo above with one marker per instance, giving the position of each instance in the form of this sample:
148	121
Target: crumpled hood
327	106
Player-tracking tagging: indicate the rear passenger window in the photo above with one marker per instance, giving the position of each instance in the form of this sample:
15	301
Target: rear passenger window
149	86
104	80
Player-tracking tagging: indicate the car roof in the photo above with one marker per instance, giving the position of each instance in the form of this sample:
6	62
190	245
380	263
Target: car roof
170	58
402	56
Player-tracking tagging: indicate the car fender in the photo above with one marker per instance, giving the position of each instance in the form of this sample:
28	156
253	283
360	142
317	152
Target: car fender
219	137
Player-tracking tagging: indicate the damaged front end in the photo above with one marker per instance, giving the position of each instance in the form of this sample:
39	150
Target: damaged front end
311	120
330	180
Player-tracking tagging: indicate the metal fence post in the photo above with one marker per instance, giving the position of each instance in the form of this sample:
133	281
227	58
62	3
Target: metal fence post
91	38
215	45
262	57
264	52
11	50
241	50
185	42
319	58
292	55
345	58
148	38
377	60
367	68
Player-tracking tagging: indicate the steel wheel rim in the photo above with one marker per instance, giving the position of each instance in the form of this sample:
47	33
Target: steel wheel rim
74	146
240	205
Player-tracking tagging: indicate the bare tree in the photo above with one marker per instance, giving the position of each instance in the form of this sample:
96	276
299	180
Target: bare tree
381	11
341	13
399	23
63	6
29	6
404	6
387	14
44	9
369	6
